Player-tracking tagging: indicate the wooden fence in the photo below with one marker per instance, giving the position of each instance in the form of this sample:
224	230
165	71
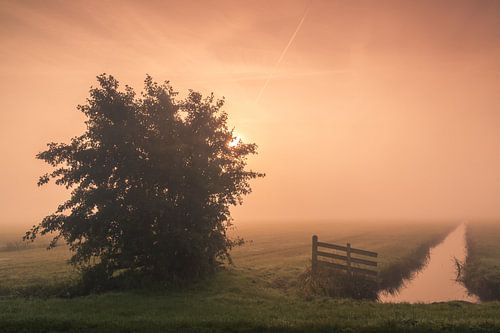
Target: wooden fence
345	260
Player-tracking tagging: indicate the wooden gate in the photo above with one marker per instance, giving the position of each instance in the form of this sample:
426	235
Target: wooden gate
343	258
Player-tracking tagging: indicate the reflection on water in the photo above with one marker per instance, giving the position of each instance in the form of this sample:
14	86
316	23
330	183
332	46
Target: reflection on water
436	281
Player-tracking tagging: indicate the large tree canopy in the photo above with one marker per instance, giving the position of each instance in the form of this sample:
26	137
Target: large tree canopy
152	181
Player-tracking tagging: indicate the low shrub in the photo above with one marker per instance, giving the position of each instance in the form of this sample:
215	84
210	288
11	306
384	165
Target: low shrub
338	284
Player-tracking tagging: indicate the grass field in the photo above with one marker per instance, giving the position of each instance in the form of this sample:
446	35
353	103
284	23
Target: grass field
233	302
482	269
278	254
275	255
259	293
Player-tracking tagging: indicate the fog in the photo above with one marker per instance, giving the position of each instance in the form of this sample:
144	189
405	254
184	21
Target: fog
362	110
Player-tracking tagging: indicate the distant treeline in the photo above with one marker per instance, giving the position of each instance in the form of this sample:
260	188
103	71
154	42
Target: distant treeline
17	244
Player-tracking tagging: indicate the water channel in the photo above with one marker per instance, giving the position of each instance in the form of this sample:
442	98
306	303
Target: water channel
436	281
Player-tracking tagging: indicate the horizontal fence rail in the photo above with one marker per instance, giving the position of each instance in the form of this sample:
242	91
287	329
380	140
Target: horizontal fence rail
343	260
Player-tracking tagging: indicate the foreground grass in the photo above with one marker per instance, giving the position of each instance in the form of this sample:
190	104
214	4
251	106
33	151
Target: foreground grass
482	267
258	294
233	302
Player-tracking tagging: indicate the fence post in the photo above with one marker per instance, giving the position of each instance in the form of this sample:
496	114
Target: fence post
348	258
314	261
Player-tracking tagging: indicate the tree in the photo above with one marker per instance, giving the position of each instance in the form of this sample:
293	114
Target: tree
152	181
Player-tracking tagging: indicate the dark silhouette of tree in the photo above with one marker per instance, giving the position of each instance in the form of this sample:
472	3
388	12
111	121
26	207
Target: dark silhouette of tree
152	181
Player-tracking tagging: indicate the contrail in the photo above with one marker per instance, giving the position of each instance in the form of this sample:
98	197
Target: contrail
283	53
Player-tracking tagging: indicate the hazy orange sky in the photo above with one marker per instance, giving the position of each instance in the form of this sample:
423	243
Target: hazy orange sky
377	109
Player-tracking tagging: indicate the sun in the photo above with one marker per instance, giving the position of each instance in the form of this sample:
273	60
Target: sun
235	141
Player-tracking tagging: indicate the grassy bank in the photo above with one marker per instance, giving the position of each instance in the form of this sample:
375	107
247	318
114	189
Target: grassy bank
481	273
260	292
234	302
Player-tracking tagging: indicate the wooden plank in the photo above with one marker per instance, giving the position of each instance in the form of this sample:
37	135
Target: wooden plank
332	265
315	251
331	255
349	257
332	246
364	262
364	252
344	248
345	268
341	257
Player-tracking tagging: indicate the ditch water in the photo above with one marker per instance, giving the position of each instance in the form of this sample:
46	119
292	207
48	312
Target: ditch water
436	281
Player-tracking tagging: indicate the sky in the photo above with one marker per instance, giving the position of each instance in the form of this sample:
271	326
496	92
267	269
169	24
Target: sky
362	110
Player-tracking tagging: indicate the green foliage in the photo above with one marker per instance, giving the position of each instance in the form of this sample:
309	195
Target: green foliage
152	181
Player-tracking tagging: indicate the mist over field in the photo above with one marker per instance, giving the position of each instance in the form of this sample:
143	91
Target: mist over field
361	110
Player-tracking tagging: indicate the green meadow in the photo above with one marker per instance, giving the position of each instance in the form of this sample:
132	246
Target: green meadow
259	292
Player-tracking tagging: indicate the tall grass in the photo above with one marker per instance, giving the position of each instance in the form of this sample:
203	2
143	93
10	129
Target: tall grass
481	271
338	284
